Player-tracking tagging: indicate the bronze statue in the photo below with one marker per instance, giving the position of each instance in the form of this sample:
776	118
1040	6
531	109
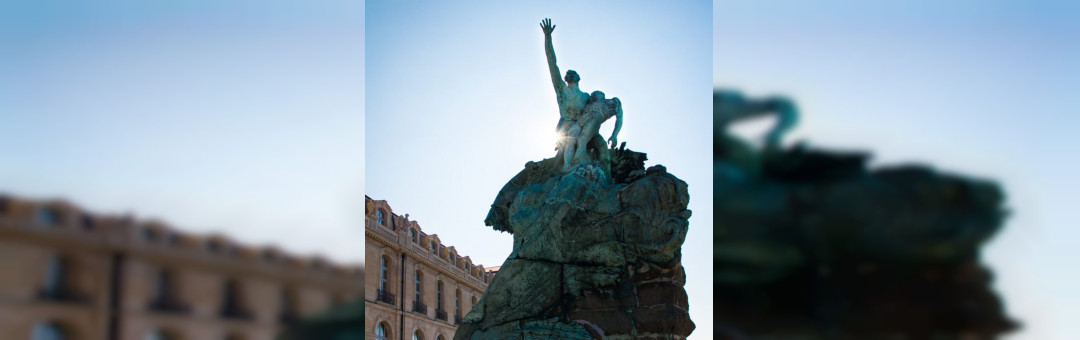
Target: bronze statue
580	114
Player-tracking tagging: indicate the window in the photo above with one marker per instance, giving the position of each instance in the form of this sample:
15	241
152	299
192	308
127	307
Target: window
380	332
5	205
383	273
48	216
214	246
439	296
163	286
416	336
148	235
381	216
457	303
434	248
288	302
48	331
56	275
231	300
474	301
412	234
87	222
417	284
440	337
171	238
164	296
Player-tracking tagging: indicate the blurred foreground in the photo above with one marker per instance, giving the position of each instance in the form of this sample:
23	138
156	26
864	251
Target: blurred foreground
811	244
70	274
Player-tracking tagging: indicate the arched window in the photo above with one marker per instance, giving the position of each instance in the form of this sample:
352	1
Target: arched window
380	332
434	248
234	336
384	273
56	275
440	337
417	336
474	301
48	331
412	234
381	216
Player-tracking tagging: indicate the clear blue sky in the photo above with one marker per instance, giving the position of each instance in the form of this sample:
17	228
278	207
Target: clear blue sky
459	99
215	116
983	88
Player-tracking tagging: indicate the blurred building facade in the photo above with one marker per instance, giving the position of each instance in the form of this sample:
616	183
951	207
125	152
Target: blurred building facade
415	287
69	274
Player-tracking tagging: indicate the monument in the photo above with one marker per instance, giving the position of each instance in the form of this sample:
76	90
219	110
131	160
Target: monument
580	114
816	244
597	237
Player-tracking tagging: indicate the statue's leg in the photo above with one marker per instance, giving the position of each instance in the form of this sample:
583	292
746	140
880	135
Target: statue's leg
597	143
583	147
589	130
568	154
572	147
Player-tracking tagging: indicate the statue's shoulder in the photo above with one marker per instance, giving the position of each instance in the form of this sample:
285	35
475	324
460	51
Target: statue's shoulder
613	103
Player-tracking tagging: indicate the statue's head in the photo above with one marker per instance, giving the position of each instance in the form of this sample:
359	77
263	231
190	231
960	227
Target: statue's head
596	96
572	77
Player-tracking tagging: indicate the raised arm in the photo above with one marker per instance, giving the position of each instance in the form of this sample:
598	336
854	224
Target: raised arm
556	79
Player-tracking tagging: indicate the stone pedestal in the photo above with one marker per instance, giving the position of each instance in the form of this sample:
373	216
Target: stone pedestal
596	254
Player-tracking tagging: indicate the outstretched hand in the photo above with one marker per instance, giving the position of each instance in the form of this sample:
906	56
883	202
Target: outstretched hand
547	26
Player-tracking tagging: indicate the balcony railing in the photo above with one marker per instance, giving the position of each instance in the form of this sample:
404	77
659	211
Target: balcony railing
385	296
419	307
169	305
63	295
440	314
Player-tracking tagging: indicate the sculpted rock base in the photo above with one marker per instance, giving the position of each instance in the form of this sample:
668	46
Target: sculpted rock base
596	254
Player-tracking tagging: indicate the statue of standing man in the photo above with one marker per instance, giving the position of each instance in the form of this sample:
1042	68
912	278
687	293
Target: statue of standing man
580	114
